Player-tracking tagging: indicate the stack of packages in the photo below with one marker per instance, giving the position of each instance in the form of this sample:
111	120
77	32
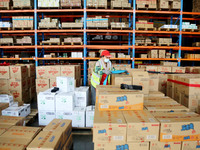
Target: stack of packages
46	75
56	135
5	4
52	40
70	3
97	3
119	25
73	40
92	54
22	22
142	40
196	6
169	4
22	3
151	4
113	55
18	81
24	40
77	54
156	54
144	24
192	56
120	4
187	25
76	24
49	3
67	103
6	41
161	41
98	21
4	24
165	26
193	70
48	23
122	55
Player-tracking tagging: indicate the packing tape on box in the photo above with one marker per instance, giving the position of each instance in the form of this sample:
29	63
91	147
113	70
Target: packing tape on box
183	83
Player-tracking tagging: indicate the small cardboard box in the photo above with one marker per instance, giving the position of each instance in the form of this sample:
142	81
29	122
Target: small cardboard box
120	101
21	132
18	85
109	126
156	145
41	72
65	101
190	145
78	117
90	116
52	140
65	84
53	71
8	120
81	96
5	98
142	126
14	111
42	85
4	72
45	117
164	69
18	72
121	79
153	82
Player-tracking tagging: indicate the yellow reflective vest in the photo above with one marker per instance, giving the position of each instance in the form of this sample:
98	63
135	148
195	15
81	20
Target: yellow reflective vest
96	78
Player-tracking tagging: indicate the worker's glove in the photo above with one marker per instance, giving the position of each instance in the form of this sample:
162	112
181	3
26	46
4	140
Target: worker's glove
108	72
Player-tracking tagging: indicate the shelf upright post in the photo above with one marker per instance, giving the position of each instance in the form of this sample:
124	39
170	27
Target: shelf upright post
171	23
1	50
180	34
35	26
133	51
85	49
129	34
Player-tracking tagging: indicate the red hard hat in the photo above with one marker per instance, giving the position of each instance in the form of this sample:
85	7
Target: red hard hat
105	53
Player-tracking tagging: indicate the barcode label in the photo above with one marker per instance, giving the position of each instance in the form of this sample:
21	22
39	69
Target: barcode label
151	137
167	136
152	120
104	106
118	138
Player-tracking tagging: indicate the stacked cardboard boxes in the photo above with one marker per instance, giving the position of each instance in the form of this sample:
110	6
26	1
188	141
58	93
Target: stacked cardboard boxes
24	40
49	3
48	23
120	4
22	3
153	54
4	24
144	24
46	75
166	26
164	41
73	40
52	40
77	54
5	4
98	21
97	3
6	41
151	4
22	22
188	25
92	54
169	4
119	25
196	5
70	3
142	40
192	56
72	25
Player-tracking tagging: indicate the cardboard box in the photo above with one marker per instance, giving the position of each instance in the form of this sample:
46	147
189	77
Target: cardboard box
153	82
182	128
164	69
52	83
70	71
178	69
142	126
13	143
190	145
5	98
152	68
4	72
42	85
63	126
90	116
53	71
121	79
65	84
65	101
78	117
8	120
4	128
4	85
20	96
52	140
156	145
109	126
121	145
120	101
41	72
14	111
81	96
45	117
21	132
18	72
18	84
64	115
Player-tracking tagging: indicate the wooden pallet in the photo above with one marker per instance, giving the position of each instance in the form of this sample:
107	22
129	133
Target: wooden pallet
197	44
23	44
82	131
22	7
97	7
4	8
145	44
120	28
71	7
32	117
146	7
72	43
167	29
6	44
190	30
124	8
48	7
48	28
5	28
97	27
22	28
168	44
50	43
145	29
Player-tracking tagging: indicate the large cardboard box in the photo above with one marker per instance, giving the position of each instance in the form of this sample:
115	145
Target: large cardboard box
53	71
142	126
13	143
190	145
120	101
63	126
152	68
41	72
182	128
81	96
156	145
121	145
64	115
18	84
65	84
21	132
109	126
45	117
8	120
65	101
153	82
4	128
20	96
178	69
51	140
18	72
42	85
4	85
164	69
70	71
4	72
121	79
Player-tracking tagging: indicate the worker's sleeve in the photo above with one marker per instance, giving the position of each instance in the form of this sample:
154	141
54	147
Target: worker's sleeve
97	68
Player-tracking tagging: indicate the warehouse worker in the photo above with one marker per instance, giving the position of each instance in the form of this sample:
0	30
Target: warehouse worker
101	70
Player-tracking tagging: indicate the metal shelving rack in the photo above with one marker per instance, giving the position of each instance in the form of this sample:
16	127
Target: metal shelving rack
131	14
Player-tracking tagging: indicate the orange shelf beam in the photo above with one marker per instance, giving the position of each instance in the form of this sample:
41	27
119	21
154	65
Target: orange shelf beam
61	46
190	59
17	47
60	10
157	32
60	30
17	58
108	46
156	59
110	10
17	11
17	31
60	58
97	58
107	30
157	12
